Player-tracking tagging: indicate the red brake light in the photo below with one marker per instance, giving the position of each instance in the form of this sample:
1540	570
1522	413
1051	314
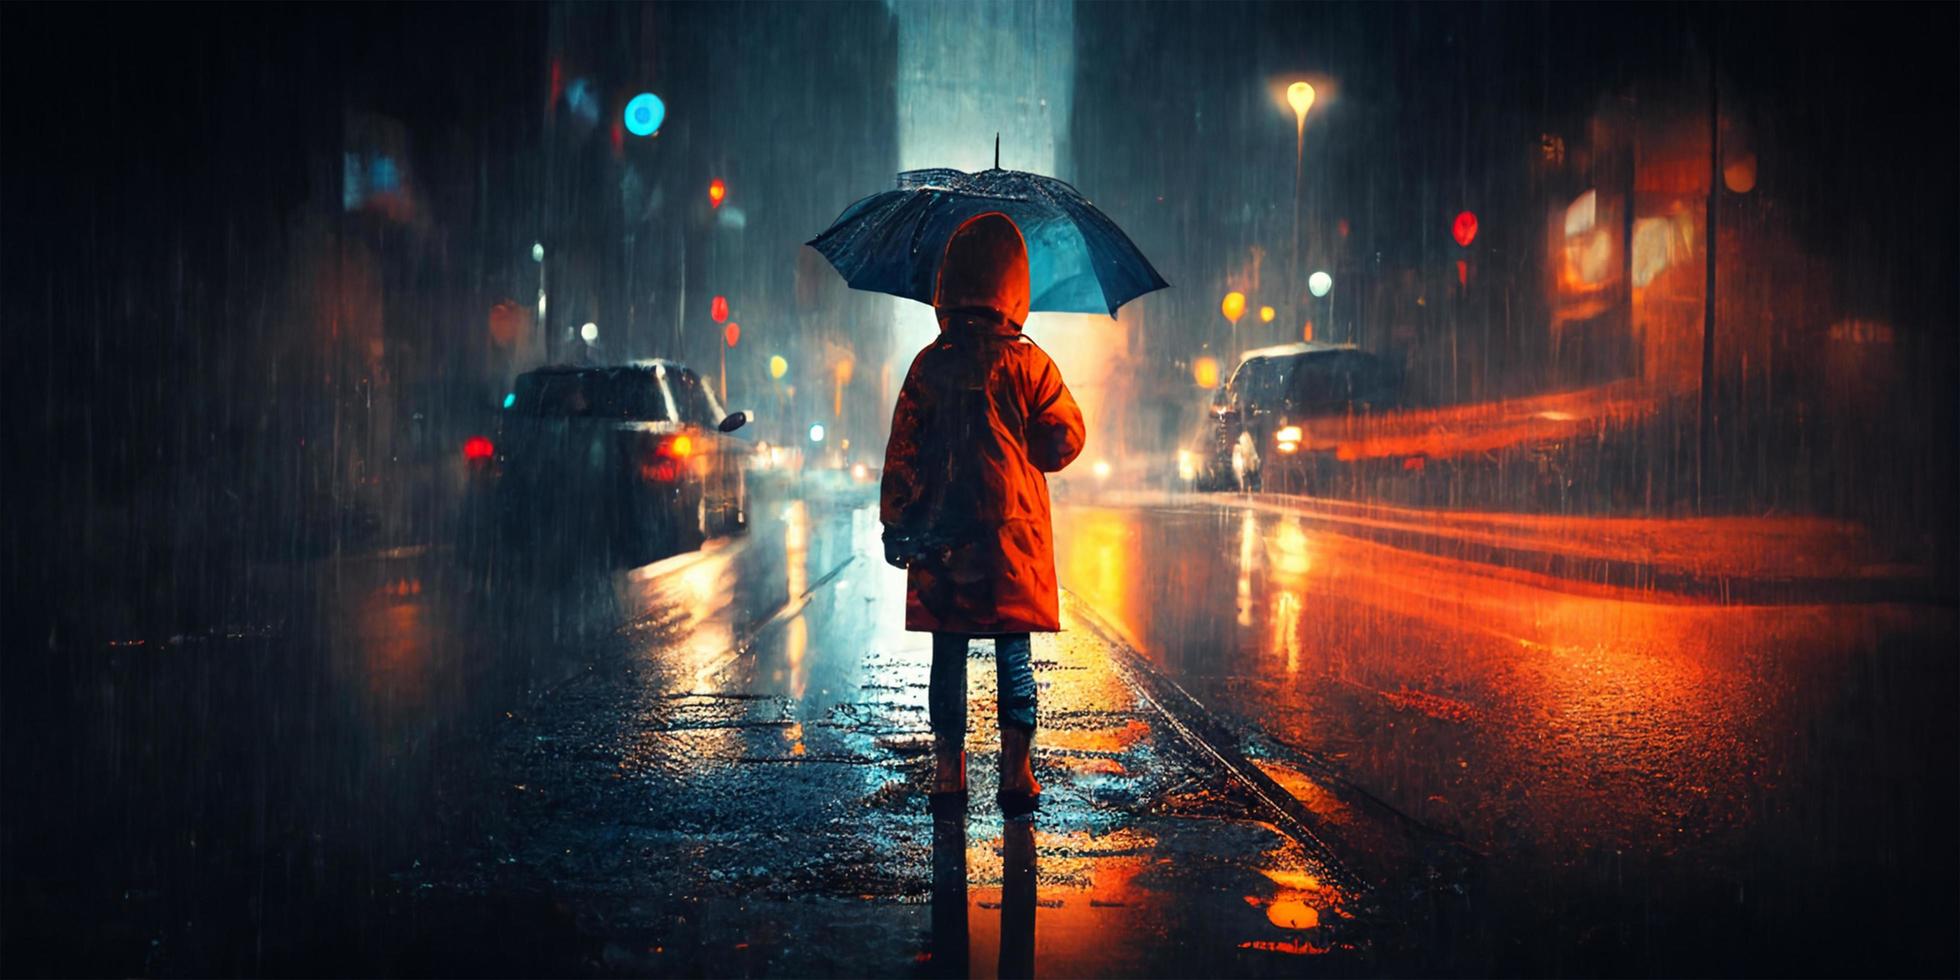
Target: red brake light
477	448
679	447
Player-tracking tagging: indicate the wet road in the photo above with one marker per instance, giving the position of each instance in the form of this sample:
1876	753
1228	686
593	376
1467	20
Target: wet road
713	764
1269	750
1644	785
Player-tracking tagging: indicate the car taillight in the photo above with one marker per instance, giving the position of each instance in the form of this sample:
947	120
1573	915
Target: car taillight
478	449
669	460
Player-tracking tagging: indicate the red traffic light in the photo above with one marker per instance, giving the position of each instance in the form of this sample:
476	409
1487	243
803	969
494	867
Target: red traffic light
732	333
718	309
1464	229
716	191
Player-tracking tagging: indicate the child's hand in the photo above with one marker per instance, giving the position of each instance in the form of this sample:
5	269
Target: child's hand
900	548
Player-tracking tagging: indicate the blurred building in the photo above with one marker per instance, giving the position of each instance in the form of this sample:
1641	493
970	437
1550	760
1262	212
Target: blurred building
788	110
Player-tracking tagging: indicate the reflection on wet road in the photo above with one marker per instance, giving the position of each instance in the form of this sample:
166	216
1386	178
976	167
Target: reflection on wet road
735	783
1765	762
717	764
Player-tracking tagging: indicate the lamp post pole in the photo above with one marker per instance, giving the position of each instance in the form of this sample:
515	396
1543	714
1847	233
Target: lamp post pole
1299	95
1702	475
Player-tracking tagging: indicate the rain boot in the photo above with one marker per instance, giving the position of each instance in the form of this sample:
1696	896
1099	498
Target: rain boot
949	772
1019	792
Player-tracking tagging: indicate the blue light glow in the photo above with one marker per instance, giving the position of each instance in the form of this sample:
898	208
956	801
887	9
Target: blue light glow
582	100
510	399
645	114
383	176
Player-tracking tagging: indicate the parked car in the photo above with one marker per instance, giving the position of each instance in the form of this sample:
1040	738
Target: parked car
630	463
1260	419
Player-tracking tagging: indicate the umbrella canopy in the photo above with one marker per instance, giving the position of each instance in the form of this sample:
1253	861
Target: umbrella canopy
1078	260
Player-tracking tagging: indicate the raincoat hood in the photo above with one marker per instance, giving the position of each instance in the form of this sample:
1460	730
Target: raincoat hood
985	268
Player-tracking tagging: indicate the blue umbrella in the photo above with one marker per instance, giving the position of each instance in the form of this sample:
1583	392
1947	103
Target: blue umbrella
1078	260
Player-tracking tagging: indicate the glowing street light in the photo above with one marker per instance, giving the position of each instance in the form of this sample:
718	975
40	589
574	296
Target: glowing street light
778	366
1320	283
1233	306
1204	371
537	251
816	432
589	333
1299	95
1739	173
1267	313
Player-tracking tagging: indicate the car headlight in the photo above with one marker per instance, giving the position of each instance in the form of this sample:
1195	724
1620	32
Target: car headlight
1289	433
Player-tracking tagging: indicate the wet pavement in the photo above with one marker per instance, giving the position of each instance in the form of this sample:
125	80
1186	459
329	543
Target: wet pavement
736	784
714	764
1269	750
1647	784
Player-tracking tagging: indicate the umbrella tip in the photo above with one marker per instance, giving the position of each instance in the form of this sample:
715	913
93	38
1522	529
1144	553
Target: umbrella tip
996	151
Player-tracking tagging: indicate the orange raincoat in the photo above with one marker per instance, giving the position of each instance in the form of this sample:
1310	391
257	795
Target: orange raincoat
982	415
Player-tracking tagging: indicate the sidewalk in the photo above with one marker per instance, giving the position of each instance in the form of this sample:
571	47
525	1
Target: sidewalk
697	802
1746	560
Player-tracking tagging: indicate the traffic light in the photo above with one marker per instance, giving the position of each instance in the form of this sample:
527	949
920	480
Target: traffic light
718	309
1464	229
732	333
717	192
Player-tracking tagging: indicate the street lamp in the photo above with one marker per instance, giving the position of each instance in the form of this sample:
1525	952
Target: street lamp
1299	95
1233	306
1204	371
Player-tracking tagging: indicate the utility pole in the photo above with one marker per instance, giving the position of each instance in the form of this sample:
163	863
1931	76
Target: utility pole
1702	474
1626	236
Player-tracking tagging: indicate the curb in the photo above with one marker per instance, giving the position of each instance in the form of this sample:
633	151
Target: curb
1193	724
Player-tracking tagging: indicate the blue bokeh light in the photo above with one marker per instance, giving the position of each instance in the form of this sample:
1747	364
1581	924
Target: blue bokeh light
644	114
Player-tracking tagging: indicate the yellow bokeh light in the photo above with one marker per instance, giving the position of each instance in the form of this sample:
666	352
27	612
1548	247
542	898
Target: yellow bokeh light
1233	307
1299	95
778	367
1204	371
1266	314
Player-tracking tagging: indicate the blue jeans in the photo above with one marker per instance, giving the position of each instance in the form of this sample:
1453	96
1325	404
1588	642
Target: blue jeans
1014	673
